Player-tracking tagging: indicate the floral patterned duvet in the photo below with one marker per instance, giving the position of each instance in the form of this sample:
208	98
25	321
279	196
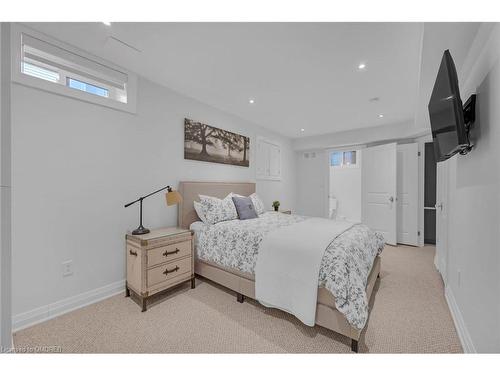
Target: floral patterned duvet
345	266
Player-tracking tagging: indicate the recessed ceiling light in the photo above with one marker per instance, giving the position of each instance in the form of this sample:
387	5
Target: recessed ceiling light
362	66
302	130
380	116
107	23
251	101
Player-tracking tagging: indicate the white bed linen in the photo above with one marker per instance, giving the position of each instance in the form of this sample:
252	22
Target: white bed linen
344	269
287	269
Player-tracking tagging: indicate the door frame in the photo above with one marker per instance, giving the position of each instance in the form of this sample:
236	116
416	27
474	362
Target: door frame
442	227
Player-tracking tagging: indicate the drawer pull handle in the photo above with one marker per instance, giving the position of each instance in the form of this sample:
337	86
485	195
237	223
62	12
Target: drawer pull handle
167	271
167	253
134	253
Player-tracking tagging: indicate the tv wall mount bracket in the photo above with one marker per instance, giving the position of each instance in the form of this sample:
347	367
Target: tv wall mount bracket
469	109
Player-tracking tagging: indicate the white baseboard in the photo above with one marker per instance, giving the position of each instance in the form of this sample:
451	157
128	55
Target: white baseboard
50	311
463	333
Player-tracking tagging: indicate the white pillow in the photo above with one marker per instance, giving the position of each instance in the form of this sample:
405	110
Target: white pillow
199	210
257	203
217	210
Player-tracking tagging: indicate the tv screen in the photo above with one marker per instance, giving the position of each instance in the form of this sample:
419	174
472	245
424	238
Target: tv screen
446	112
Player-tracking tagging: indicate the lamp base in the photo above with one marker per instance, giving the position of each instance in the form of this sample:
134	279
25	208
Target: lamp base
140	230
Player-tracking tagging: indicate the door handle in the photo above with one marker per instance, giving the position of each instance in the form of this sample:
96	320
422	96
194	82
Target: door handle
391	199
439	205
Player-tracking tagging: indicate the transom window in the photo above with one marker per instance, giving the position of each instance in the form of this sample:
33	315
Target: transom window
343	159
57	65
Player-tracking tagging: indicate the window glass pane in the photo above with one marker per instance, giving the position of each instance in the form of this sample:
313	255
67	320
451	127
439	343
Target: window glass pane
87	87
336	159
349	157
39	72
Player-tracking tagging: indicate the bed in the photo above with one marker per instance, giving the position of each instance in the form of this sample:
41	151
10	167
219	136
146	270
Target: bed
216	264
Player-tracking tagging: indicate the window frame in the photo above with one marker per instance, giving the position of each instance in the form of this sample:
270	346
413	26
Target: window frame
63	89
343	165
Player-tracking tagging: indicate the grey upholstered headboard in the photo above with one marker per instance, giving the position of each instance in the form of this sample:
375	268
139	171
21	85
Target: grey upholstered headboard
190	190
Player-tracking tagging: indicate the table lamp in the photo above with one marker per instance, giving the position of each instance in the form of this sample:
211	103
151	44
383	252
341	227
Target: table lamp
172	197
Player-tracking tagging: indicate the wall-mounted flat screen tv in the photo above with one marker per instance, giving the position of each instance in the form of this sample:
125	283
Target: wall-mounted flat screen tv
446	112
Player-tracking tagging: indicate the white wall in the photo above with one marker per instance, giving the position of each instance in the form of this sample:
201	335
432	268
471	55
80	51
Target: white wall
74	166
5	191
474	204
345	186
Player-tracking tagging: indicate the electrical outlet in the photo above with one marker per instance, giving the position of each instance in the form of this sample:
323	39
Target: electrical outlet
67	268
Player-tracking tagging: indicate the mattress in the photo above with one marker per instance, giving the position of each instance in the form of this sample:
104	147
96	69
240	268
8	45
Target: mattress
345	266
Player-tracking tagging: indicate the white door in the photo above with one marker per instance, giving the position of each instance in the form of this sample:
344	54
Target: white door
407	194
441	260
378	198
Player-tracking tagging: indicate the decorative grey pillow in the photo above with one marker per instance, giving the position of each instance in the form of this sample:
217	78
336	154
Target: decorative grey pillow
258	204
244	207
217	210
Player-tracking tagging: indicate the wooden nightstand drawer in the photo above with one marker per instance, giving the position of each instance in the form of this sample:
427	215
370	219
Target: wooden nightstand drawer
168	253
169	271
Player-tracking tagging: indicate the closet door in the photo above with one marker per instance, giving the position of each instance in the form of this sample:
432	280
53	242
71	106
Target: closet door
274	162
262	158
268	160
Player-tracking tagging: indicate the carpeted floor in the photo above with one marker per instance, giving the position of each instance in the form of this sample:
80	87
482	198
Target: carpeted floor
409	314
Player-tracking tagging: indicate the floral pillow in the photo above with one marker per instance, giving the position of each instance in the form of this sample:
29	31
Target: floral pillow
217	210
199	210
257	203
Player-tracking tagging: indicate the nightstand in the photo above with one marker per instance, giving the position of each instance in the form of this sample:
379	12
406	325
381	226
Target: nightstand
158	261
288	212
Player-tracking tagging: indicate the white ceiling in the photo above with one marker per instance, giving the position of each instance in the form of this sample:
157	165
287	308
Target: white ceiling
301	75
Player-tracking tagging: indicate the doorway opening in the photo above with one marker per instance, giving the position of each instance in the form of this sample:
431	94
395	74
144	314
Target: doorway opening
430	172
344	197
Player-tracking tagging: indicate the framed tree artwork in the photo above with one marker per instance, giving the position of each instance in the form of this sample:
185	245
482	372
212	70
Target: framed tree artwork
207	143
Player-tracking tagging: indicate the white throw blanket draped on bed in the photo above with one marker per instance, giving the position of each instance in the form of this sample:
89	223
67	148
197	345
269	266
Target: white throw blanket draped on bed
288	264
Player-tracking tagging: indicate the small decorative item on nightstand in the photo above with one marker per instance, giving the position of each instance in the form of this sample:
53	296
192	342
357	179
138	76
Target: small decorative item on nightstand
288	212
157	261
276	205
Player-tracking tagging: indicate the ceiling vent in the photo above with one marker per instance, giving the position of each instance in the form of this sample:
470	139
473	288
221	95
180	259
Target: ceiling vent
309	155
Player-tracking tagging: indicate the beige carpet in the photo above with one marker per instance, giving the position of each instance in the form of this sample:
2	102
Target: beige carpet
408	315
